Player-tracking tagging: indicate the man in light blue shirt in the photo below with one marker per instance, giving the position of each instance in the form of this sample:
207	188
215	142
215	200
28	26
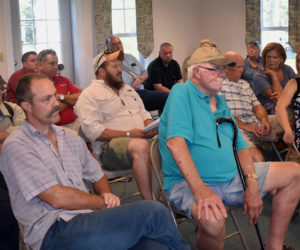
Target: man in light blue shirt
198	161
44	167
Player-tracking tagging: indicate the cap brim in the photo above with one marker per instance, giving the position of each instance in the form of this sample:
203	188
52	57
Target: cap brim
222	61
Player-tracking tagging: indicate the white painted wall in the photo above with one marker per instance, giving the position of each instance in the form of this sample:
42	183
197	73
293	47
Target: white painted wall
183	23
7	66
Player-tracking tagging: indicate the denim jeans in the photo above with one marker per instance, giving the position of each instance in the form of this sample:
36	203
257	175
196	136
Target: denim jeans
137	225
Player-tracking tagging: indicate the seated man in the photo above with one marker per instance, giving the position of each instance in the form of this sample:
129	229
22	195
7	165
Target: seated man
29	66
11	117
112	116
250	115
135	75
49	197
163	72
200	170
67	93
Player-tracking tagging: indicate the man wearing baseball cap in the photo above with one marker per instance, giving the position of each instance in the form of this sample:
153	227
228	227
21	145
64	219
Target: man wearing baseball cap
198	160
112	116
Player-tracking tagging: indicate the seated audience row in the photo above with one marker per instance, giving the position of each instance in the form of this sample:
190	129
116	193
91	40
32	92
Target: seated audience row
46	187
50	199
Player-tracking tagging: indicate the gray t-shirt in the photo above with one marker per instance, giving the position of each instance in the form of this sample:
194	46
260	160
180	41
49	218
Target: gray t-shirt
262	82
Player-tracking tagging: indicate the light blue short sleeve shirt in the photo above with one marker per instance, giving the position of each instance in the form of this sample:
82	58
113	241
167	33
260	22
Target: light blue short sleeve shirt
187	114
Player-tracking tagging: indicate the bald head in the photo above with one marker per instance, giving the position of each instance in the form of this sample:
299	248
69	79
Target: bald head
234	73
114	43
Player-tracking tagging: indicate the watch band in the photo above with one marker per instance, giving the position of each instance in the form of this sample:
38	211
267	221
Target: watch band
251	175
61	97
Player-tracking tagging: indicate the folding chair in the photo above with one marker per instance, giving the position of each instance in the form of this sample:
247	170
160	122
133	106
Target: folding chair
179	216
123	176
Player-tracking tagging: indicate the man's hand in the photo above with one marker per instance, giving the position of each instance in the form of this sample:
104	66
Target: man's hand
137	133
265	128
137	82
110	200
207	199
254	129
252	201
3	135
289	137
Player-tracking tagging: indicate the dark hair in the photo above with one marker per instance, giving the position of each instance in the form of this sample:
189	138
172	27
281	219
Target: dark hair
164	45
26	55
273	46
23	91
43	54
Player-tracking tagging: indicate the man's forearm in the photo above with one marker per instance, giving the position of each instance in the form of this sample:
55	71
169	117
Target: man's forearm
61	197
260	113
109	134
71	99
184	161
160	87
102	186
241	124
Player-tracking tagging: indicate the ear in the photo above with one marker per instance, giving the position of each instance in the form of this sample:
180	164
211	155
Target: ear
26	106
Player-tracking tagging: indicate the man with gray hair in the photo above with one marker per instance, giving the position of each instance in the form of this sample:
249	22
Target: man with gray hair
199	165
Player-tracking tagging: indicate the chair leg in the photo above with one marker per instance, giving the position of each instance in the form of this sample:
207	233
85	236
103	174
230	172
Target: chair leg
239	230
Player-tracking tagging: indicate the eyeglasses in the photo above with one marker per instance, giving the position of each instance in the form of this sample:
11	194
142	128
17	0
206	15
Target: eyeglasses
217	69
106	52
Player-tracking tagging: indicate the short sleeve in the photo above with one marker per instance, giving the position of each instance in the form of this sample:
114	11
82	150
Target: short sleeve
179	118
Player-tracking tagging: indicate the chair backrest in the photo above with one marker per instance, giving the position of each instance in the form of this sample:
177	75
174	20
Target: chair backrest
156	161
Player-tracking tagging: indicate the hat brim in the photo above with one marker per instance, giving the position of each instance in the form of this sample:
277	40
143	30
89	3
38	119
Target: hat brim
107	58
222	61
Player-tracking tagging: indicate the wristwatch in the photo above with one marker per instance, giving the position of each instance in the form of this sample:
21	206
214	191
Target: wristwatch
128	134
251	175
61	97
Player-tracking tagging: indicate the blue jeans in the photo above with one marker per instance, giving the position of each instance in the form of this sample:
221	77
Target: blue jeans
137	225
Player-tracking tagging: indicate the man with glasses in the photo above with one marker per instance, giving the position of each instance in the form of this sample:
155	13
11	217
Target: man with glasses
198	160
112	116
134	75
250	115
29	61
67	93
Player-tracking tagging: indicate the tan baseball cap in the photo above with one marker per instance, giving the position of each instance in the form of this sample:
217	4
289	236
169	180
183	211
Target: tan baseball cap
208	52
107	56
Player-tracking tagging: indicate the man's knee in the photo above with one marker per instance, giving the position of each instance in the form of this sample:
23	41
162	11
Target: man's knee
139	147
213	227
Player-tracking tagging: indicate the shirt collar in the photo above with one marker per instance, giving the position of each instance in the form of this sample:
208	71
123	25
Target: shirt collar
221	101
34	132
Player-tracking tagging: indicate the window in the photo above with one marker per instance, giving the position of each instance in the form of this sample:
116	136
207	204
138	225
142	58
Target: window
124	24
274	26
40	26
